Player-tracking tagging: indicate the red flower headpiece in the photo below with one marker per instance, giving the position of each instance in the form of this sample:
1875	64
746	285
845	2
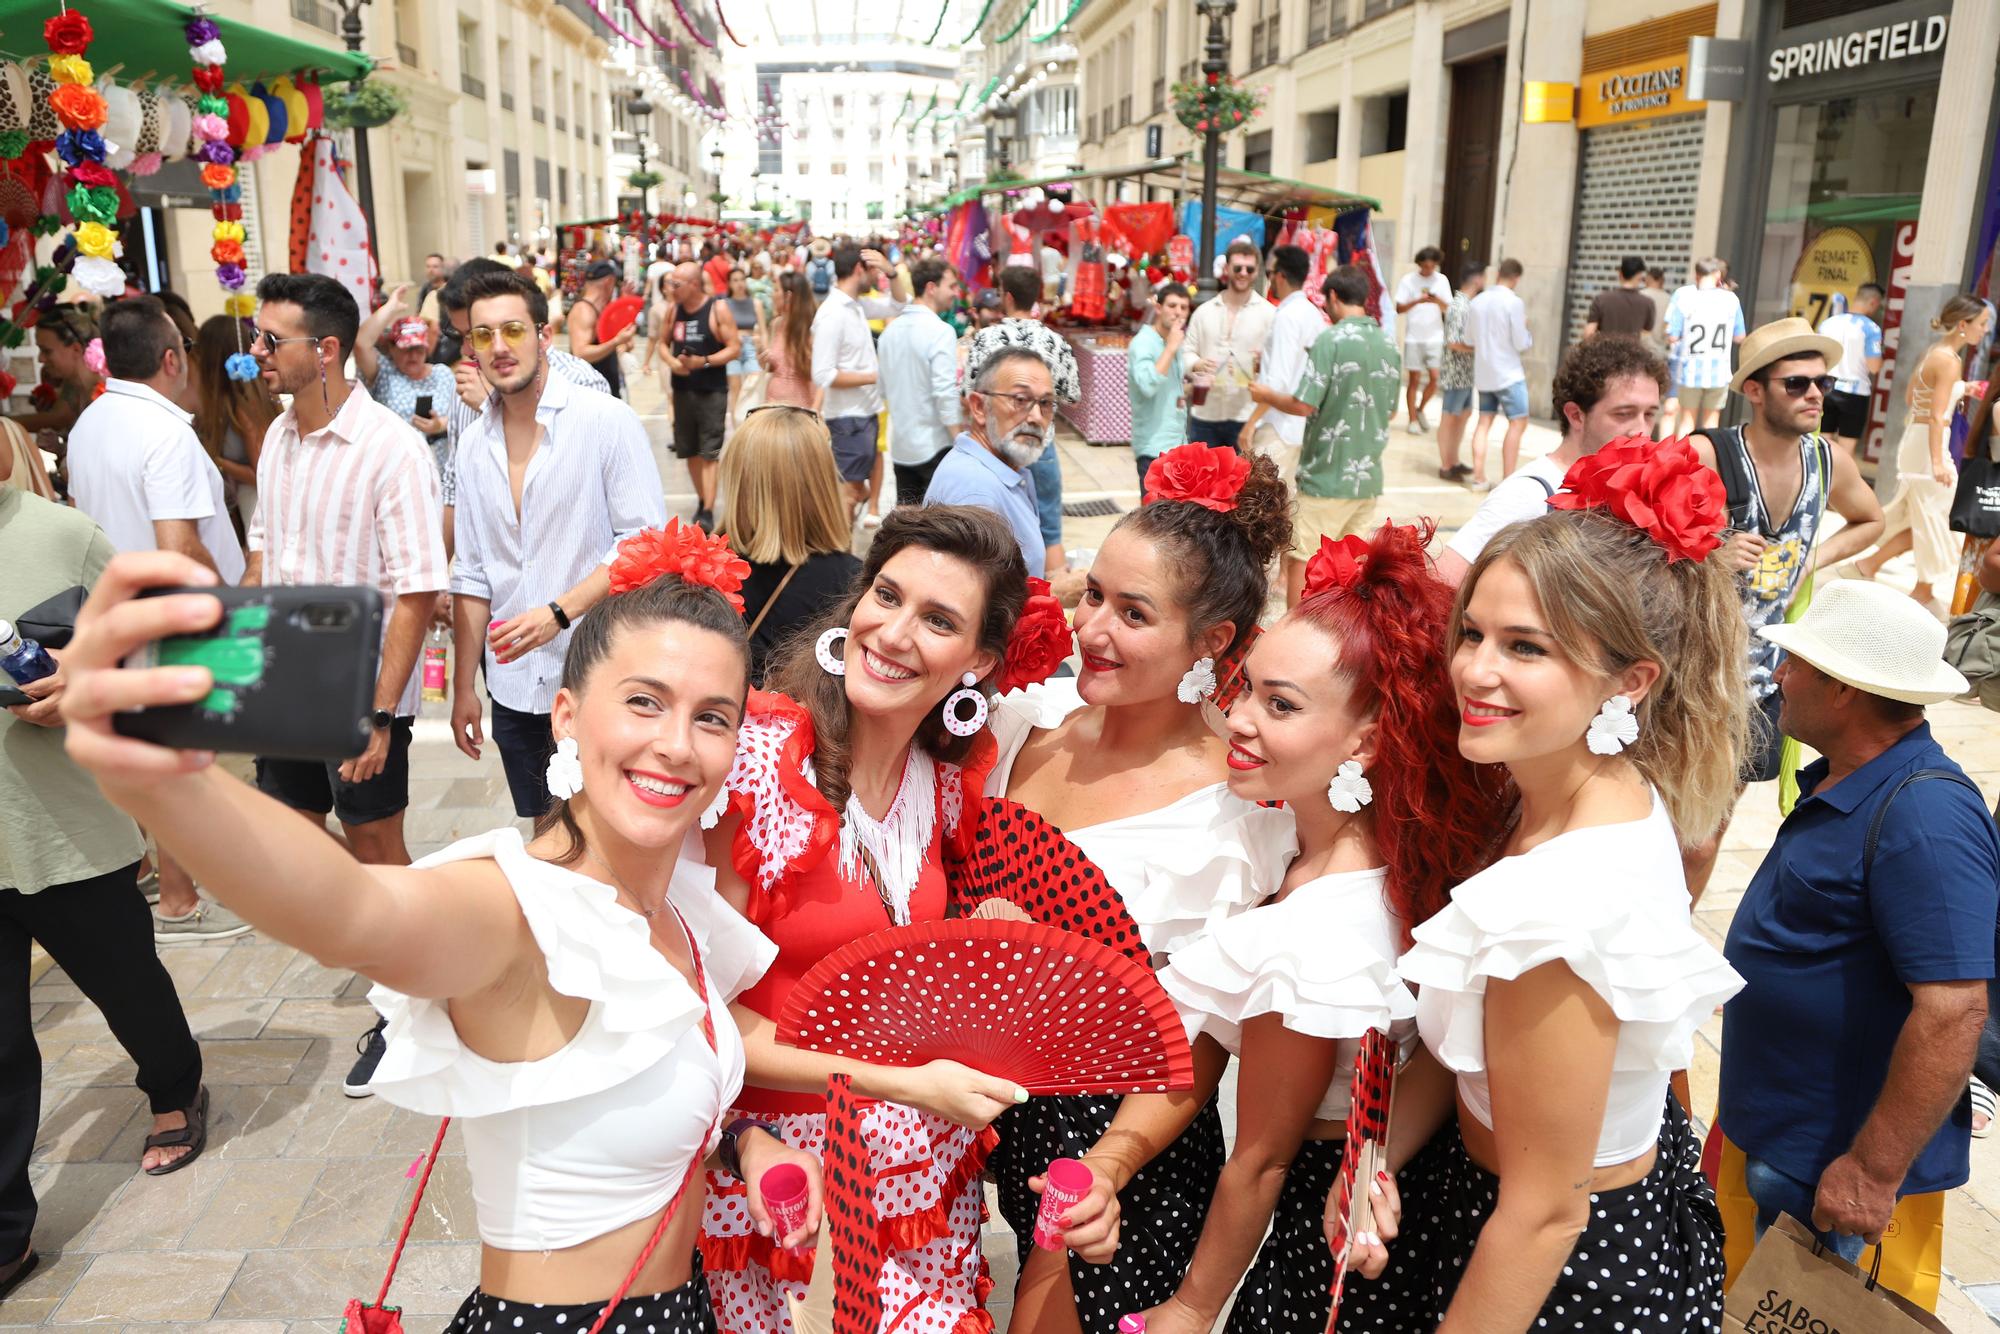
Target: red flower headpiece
1335	565
1210	476
683	550
1040	642
1661	487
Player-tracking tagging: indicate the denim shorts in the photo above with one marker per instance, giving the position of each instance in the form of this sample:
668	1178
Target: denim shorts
1047	472
1511	402
854	441
1775	1192
1457	401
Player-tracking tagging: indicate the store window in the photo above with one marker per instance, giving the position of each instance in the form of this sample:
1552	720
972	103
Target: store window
1846	174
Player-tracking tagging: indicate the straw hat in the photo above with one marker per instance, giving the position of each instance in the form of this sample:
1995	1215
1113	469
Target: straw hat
1776	341
821	247
1874	639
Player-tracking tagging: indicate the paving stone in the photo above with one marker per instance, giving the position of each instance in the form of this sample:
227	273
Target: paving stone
154	1213
44	1290
305	976
254	1120
255	1205
334	1126
164	1285
83	1122
351	1204
337	1018
251	968
72	1198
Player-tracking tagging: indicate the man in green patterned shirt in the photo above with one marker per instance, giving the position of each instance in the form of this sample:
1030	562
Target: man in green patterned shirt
1347	395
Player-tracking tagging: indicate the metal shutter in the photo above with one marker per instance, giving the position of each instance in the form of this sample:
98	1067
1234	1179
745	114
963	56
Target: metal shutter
1635	196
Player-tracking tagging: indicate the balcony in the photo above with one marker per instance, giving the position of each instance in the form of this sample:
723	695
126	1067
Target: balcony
472	87
407	54
1325	20
590	20
506	100
319	15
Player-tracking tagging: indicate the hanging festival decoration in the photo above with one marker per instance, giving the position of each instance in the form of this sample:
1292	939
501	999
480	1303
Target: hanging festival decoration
723	19
1061	23
90	251
211	131
978	23
612	23
688	24
944	12
1218	102
647	28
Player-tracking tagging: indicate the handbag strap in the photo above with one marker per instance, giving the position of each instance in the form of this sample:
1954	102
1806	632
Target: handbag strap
395	1256
765	610
1882	811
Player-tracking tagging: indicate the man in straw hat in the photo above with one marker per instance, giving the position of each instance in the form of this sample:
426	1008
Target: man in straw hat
1782	477
1866	937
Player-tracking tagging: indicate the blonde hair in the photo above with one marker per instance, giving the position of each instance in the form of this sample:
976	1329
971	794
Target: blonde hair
781	494
1612	599
27	474
1957	310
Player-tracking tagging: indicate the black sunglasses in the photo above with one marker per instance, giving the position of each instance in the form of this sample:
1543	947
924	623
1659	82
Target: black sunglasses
1796	385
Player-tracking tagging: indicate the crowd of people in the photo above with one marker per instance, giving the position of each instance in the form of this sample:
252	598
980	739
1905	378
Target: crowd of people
1464	794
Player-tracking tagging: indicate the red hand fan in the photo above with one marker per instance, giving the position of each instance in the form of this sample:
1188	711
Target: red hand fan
1018	856
1367	1150
852	1232
618	312
1046	1008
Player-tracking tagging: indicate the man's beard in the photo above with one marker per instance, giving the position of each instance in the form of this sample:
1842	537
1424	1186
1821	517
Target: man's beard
1023	448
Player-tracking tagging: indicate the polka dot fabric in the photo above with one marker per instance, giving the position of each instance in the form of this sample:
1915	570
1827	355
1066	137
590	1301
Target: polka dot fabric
1650	1258
685	1310
1018	856
1163	1207
1289	1286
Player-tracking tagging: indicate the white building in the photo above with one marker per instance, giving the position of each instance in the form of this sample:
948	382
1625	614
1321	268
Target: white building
1027	68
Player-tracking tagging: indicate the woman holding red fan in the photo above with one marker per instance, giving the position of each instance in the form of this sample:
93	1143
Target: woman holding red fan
566	997
849	788
1123	763
1598	653
1348	719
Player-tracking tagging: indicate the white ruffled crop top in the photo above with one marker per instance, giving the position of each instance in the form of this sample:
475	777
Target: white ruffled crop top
1179	868
598	1134
1609	901
1323	959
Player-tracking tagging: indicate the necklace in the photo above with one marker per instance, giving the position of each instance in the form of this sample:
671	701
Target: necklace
641	909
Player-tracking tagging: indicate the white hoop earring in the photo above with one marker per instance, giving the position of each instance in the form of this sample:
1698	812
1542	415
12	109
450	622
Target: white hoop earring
1199	682
1349	791
565	775
956	725
831	662
1614	728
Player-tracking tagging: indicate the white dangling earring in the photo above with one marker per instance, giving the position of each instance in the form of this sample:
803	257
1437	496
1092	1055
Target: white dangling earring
1614	727
565	776
831	662
712	817
956	725
1199	683
1349	791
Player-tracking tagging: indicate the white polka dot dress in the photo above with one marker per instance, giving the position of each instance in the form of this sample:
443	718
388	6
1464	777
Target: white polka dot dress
685	1310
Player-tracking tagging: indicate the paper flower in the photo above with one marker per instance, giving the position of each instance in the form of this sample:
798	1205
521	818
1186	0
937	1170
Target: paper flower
1206	475
13	143
209	53
96	240
226	252
77	106
241	304
1660	487
1337	564
218	177
71	69
228	231
231	276
68	33
93	356
79	146
93	203
100	277
240	365
94	174
1041	640
683	550
210	127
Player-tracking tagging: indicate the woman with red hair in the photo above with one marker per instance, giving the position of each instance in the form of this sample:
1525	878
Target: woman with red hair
1348	718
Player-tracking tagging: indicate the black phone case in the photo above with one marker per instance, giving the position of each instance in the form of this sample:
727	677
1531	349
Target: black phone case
9	696
295	675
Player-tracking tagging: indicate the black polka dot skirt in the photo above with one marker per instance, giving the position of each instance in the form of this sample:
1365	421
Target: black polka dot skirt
1650	1258
685	1310
1162	1208
1290	1287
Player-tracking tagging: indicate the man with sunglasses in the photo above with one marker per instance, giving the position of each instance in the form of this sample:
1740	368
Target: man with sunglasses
1226	336
1781	477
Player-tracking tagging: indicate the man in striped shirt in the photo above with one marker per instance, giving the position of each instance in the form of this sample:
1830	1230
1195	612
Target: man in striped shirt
347	494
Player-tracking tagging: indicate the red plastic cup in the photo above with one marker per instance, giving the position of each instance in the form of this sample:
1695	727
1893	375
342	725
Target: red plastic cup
1131	1324
785	1196
1068	1182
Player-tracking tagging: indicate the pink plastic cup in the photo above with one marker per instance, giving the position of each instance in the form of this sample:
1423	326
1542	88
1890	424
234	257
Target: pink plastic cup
785	1197
1068	1182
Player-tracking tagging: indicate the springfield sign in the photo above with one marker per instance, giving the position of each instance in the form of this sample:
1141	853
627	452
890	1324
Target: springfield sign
1853	50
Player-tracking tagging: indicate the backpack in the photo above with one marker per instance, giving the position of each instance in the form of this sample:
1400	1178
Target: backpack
1972	644
820	274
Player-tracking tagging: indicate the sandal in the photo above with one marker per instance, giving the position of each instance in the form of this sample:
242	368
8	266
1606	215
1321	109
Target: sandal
193	1136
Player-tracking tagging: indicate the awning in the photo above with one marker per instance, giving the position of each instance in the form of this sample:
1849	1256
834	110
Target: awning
1235	188
145	37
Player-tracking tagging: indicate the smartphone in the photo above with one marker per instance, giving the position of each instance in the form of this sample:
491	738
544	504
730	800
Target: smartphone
294	674
10	697
423	405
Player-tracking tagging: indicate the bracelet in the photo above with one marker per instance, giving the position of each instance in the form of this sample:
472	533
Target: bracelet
728	1149
562	617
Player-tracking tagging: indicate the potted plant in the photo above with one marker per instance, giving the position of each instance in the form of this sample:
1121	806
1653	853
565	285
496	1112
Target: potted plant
1215	102
644	180
363	106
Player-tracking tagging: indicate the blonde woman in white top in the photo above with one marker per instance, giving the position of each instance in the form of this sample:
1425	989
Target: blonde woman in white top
567	997
1602	664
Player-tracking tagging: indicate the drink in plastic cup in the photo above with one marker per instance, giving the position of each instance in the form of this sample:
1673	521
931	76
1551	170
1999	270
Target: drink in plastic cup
1198	387
1131	1324
1068	1182
785	1194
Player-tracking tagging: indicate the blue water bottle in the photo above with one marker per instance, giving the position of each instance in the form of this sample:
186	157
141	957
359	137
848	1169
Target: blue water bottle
23	660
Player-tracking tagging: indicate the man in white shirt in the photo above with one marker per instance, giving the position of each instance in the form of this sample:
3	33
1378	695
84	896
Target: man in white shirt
1497	319
1604	389
136	466
845	366
1295	325
1704	325
550	479
1225	337
919	368
1422	296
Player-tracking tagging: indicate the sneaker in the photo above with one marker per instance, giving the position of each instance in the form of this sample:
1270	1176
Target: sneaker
208	921
371	1046
705	520
1479	484
871	520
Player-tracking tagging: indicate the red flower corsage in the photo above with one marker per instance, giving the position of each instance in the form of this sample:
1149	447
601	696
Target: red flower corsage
1661	487
1040	642
683	550
1335	565
68	33
1210	476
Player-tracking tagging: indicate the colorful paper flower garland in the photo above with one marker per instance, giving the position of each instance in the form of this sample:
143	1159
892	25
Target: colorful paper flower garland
218	173
89	253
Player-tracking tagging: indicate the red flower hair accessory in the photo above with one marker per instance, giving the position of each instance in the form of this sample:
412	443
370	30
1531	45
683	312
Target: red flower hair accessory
683	550
1661	487
1210	476
1040	642
1335	565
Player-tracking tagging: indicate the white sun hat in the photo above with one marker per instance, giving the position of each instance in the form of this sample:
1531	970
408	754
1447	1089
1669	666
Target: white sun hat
1874	639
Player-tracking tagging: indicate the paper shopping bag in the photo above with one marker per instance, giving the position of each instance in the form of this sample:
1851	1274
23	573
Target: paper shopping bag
1791	1285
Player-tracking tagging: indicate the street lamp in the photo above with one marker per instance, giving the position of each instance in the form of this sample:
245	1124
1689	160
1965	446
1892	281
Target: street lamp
950	169
715	156
1003	130
640	112
1214	65
364	180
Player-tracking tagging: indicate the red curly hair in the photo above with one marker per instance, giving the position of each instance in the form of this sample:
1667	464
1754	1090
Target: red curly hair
1436	813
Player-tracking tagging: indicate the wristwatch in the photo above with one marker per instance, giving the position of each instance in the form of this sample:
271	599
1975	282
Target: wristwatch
380	719
562	617
727	1148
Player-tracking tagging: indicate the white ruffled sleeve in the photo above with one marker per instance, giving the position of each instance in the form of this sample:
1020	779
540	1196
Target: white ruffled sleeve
595	949
1629	937
1203	859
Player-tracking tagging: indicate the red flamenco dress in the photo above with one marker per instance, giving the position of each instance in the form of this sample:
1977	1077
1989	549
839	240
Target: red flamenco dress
811	891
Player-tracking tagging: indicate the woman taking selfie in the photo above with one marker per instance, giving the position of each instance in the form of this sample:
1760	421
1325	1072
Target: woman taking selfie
1602	664
566	996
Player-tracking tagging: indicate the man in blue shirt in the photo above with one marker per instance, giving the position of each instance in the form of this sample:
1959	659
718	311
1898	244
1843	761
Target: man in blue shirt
1153	376
1866	937
1010	412
1860	339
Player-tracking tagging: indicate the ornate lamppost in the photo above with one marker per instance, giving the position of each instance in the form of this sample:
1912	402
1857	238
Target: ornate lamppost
1214	65
640	112
364	179
715	157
